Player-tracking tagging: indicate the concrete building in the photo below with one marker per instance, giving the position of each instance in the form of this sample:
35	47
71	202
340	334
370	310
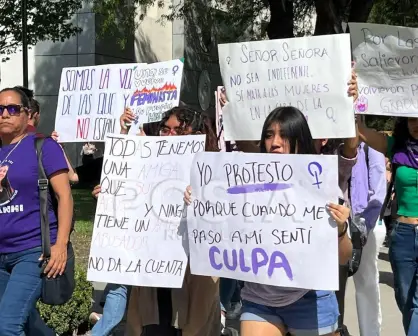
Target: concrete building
193	38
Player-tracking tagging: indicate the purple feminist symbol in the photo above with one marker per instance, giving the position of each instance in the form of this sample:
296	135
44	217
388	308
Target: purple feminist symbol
175	69
315	169
362	104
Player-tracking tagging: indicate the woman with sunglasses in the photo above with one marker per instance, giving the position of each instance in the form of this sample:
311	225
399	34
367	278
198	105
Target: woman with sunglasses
21	264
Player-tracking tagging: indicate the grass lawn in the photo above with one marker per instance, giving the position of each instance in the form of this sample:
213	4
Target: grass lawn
84	209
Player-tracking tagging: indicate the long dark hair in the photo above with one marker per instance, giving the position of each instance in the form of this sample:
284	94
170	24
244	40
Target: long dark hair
24	99
199	122
400	134
293	128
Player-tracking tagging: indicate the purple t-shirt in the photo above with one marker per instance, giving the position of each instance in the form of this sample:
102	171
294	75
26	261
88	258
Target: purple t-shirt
20	226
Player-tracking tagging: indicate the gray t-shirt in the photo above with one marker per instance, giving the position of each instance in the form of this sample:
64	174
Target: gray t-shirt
271	296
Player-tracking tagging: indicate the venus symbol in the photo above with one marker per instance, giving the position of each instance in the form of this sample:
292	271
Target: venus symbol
315	169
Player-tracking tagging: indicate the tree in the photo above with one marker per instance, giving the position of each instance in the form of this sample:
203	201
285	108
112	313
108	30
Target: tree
396	13
288	18
47	20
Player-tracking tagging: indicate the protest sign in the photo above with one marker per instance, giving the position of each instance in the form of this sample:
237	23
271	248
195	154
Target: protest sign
309	73
387	68
139	224
158	90
92	99
262	218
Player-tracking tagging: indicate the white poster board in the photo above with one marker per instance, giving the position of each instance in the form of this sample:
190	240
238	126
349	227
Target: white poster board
158	90
310	73
262	218
92	99
387	68
139	224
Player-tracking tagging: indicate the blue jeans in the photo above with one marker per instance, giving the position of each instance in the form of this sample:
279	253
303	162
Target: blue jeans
114	309
403	255
20	289
314	314
36	326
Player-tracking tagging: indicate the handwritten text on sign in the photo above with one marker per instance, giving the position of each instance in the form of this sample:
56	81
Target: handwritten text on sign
137	237
301	72
91	100
158	91
262	218
387	68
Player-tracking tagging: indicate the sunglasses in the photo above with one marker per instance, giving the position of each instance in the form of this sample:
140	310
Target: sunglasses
12	109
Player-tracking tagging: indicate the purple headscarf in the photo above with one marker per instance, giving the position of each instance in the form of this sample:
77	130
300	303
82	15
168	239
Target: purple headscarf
409	156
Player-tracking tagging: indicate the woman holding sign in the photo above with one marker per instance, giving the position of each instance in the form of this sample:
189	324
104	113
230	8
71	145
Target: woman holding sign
402	150
275	311
191	310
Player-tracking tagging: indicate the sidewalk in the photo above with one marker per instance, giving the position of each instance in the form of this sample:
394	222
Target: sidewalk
392	322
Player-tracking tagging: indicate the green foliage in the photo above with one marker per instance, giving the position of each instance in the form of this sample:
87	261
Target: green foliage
380	123
47	20
239	20
120	18
395	12
68	317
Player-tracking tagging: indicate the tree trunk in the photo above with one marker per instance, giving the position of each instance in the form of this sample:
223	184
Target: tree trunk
281	19
360	10
328	16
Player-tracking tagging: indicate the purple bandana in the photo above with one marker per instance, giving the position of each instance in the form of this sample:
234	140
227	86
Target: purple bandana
409	156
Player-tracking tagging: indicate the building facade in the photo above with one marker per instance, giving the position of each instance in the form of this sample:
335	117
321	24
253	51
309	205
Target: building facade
190	37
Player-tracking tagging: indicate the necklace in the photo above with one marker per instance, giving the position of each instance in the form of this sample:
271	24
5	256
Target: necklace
8	154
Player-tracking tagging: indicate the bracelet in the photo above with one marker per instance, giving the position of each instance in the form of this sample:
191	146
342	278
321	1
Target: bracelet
342	234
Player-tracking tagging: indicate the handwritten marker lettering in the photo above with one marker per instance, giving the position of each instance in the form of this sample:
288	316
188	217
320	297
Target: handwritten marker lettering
228	60
241	223
315	172
175	69
330	114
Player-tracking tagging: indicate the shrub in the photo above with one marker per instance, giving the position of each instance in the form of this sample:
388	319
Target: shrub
67	318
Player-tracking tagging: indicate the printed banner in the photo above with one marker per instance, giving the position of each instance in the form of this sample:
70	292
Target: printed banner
310	73
262	218
140	222
387	69
92	99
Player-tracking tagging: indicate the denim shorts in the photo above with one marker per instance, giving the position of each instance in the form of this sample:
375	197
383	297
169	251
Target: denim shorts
314	314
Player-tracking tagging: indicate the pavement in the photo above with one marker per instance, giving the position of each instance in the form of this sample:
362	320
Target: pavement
392	322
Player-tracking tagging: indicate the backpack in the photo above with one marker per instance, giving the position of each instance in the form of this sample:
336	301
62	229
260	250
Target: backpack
358	230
